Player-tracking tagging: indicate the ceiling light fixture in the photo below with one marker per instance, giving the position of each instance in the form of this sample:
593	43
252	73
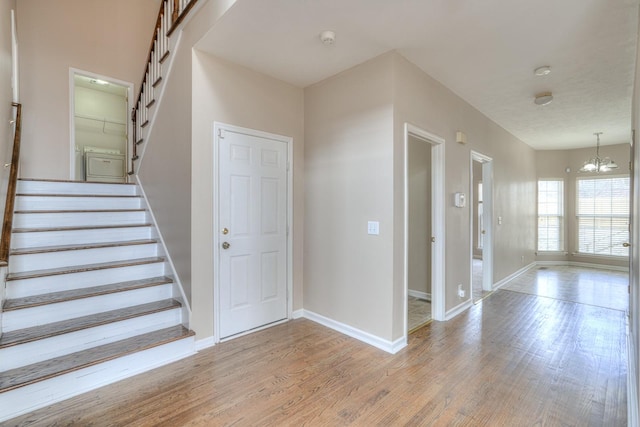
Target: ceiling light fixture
596	164
543	98
99	82
328	37
542	71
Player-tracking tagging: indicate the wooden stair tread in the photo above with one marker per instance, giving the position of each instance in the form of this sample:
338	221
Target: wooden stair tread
81	268
70	211
74	294
74	182
21	336
77	247
92	227
61	365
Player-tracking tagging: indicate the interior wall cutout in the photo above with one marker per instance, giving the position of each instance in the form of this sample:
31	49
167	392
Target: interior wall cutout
427	248
481	201
99	128
419	236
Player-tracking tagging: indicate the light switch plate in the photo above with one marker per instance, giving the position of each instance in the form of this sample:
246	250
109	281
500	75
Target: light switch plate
373	227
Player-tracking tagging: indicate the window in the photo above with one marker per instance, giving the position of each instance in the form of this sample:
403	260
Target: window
603	216
550	215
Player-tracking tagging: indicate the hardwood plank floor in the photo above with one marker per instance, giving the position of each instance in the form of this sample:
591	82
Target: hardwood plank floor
515	359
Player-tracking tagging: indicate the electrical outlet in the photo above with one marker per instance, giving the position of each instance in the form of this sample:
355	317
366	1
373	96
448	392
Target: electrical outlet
461	292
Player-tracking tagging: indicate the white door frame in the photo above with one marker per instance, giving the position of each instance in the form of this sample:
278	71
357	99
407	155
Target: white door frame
487	214
72	108
219	129
437	221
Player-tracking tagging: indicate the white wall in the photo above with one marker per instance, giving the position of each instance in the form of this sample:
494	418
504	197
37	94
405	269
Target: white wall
634	276
553	164
92	106
110	39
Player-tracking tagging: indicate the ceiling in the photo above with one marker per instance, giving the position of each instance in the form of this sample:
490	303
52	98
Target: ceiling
484	51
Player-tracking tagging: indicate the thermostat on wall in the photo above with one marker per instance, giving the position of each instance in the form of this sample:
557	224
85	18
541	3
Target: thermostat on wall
460	200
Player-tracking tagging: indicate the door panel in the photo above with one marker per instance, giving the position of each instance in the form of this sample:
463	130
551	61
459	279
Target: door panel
253	210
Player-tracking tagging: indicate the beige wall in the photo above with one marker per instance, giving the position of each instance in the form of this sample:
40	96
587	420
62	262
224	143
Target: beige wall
419	186
166	174
553	164
349	181
6	94
425	103
108	39
227	93
355	172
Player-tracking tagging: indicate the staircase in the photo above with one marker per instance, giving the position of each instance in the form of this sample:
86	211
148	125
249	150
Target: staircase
88	300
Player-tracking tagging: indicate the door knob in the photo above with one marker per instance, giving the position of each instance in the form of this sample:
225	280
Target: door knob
433	239
226	245
225	230
484	231
626	244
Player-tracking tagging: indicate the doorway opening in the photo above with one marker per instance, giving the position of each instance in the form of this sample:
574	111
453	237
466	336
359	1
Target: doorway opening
99	127
252	243
481	202
424	228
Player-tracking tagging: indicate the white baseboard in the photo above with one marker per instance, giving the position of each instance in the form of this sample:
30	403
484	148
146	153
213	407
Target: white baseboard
582	264
297	314
513	275
385	345
632	382
450	314
205	343
419	295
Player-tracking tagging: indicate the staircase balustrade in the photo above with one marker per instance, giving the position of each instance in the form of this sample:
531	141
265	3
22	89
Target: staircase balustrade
170	16
11	189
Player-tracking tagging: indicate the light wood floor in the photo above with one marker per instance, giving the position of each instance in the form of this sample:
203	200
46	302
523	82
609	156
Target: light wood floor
516	359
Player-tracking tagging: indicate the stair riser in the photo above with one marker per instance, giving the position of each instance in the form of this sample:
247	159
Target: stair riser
41	261
31	397
44	203
49	313
78	237
52	187
77	219
64	282
38	351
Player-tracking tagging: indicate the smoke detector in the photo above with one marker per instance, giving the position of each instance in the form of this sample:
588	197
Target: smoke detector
328	37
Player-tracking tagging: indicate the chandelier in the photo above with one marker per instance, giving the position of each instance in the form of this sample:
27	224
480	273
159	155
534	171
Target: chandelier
598	164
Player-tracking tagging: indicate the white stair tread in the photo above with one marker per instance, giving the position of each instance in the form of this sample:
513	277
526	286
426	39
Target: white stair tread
81	268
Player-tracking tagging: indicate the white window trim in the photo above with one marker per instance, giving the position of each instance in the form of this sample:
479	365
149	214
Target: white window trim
563	249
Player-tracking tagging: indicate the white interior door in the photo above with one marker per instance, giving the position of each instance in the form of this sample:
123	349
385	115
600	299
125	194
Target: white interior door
253	231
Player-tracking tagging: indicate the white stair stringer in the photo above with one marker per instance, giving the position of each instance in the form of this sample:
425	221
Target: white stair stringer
28	398
88	300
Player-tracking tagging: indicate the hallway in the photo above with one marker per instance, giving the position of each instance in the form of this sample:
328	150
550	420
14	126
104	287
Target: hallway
514	359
